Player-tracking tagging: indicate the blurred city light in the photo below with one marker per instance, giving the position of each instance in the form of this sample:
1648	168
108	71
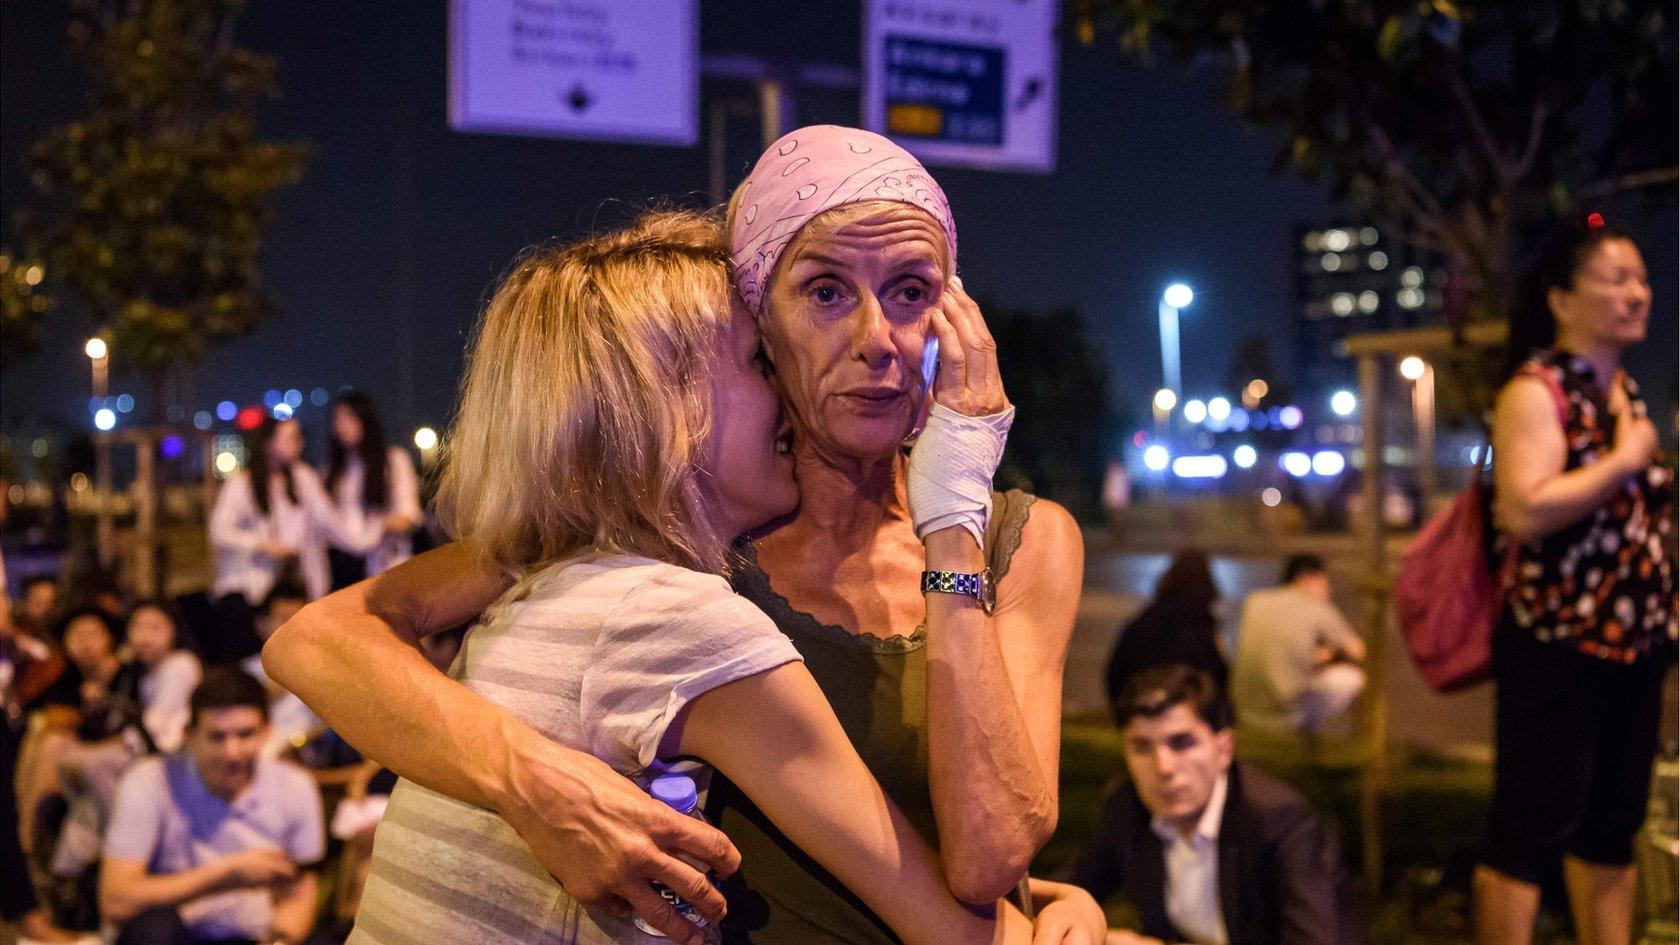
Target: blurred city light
1342	304
1239	420
1211	466
1219	409
1336	240
293	398
1296	463
226	463
249	418
1412	277
319	397
1178	295
282	411
1195	411
426	439
1328	463
1271	498
1245	456
1165	400
1331	262
1409	298
202	420
1290	417
270	398
38	449
1255	392
1156	458
96	348
172	446
1369	301
125	403
226	411
1377	260
1411	368
78	482
1344	403
105	419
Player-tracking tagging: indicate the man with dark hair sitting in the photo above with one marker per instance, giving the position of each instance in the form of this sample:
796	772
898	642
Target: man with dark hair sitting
1211	852
1297	667
214	844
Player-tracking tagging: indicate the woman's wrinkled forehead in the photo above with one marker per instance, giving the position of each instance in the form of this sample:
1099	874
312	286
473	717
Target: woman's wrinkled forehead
813	170
899	232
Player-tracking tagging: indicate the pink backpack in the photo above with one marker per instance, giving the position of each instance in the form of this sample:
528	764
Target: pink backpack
1446	596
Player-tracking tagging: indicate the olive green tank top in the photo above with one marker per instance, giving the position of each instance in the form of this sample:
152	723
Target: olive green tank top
878	689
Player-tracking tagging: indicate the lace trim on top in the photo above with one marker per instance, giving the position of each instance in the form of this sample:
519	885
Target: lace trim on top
1005	540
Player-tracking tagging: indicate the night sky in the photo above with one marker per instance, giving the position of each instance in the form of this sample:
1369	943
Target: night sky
382	256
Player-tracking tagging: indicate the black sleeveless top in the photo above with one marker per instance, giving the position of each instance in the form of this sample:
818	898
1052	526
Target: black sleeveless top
878	689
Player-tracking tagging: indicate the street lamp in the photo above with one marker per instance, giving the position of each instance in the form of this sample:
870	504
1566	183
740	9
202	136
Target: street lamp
99	358
1343	403
1422	375
1178	296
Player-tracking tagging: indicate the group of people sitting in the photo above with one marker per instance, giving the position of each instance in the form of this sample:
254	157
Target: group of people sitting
1297	665
147	786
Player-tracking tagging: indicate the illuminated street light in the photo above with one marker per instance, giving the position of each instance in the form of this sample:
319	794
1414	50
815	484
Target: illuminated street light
1245	456
1165	400
97	349
1195	411
1344	403
1412	368
105	419
426	439
1156	458
1176	297
1219	409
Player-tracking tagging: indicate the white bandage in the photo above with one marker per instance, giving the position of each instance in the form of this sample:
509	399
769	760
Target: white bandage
951	467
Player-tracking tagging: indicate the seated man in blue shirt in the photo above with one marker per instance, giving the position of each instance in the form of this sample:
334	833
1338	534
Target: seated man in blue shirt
214	844
1210	852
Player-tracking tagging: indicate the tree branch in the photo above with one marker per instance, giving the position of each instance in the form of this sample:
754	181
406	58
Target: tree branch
1478	127
1531	152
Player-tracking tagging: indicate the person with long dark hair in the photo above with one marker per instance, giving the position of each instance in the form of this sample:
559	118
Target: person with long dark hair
1587	627
1177	628
260	528
373	491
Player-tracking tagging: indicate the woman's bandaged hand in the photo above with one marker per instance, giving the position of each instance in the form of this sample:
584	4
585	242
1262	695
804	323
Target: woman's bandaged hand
951	467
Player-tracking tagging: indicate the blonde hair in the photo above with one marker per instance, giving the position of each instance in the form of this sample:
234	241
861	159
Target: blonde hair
586	401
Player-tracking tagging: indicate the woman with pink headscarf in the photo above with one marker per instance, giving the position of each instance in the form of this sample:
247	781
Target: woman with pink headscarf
933	613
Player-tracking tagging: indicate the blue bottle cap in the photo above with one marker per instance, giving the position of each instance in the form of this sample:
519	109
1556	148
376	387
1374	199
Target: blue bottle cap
675	791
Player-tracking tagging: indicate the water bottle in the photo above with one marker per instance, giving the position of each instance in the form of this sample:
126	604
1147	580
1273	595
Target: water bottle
677	792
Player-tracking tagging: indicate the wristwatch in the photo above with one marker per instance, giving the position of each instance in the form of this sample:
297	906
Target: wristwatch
978	586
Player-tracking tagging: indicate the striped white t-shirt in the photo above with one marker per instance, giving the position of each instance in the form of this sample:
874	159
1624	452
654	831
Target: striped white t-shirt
599	654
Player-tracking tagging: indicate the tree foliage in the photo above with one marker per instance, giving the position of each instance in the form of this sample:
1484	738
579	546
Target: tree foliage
1459	123
1058	382
150	209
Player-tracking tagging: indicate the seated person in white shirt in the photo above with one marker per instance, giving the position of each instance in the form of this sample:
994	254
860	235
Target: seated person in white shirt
1297	666
214	844
1211	852
144	711
291	724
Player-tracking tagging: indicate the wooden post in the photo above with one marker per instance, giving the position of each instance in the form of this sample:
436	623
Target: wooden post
1374	601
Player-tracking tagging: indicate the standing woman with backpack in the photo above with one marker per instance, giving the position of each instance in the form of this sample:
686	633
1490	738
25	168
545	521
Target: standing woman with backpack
1587	626
373	494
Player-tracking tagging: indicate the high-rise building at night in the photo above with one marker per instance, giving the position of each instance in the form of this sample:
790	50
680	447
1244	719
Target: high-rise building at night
1353	278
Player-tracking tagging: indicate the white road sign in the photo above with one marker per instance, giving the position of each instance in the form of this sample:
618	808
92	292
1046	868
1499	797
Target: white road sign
576	69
